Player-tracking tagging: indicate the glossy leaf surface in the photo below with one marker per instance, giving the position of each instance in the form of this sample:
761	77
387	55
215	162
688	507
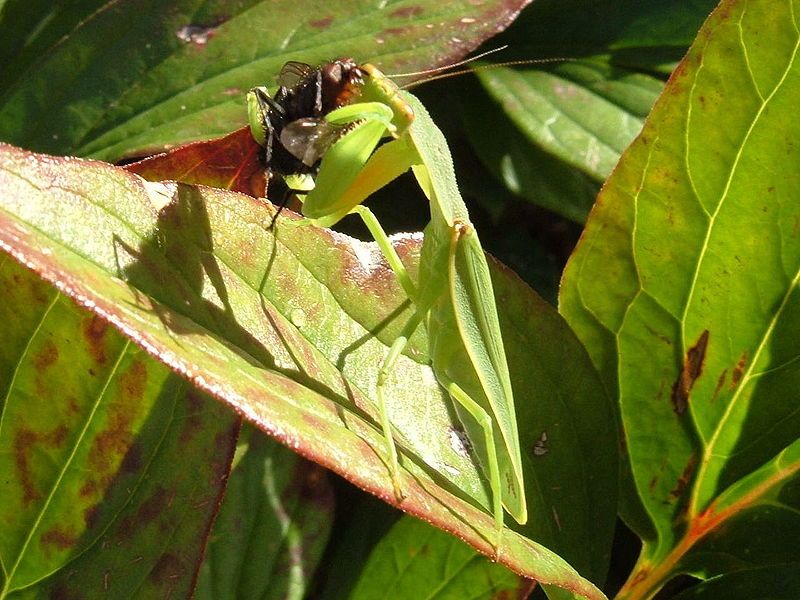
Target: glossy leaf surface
113	466
684	289
561	127
290	329
133	79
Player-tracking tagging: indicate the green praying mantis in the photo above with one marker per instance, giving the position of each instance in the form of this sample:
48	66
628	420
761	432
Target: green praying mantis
453	296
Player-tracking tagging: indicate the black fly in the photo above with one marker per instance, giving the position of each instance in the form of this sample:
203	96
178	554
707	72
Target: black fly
291	126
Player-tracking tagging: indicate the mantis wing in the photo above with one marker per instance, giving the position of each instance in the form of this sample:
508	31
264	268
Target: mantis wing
476	314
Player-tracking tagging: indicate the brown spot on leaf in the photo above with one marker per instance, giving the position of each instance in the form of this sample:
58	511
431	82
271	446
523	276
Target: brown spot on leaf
321	23
73	406
720	384
89	488
133	459
40	291
684	479
90	516
112	442
61	592
407	11
25	441
23	444
395	31
738	371
56	437
193	422
691	371
134	381
147	511
152	507
58	537
94	331
47	356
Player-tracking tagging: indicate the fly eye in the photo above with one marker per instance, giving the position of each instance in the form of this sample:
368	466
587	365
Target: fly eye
332	72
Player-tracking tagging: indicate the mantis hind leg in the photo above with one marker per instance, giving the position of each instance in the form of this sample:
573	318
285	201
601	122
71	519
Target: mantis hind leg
485	421
386	369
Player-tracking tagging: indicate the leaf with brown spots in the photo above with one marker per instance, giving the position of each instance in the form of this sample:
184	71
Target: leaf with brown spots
80	455
289	327
692	369
695	232
231	163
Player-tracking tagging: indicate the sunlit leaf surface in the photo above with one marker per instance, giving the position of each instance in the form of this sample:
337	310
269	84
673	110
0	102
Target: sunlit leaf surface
290	326
112	465
133	79
684	289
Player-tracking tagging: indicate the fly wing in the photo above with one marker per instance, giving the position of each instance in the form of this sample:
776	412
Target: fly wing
329	202
308	139
293	73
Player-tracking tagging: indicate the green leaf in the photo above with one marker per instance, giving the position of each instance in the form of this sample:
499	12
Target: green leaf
31	27
415	560
112	466
291	329
582	112
760	516
578	28
361	522
553	132
525	168
684	291
779	582
567	430
272	526
137	77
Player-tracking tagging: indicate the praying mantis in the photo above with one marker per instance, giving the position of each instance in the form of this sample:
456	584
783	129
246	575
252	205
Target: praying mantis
453	296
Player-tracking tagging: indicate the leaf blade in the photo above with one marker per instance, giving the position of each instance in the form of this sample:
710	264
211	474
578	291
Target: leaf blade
197	297
684	286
